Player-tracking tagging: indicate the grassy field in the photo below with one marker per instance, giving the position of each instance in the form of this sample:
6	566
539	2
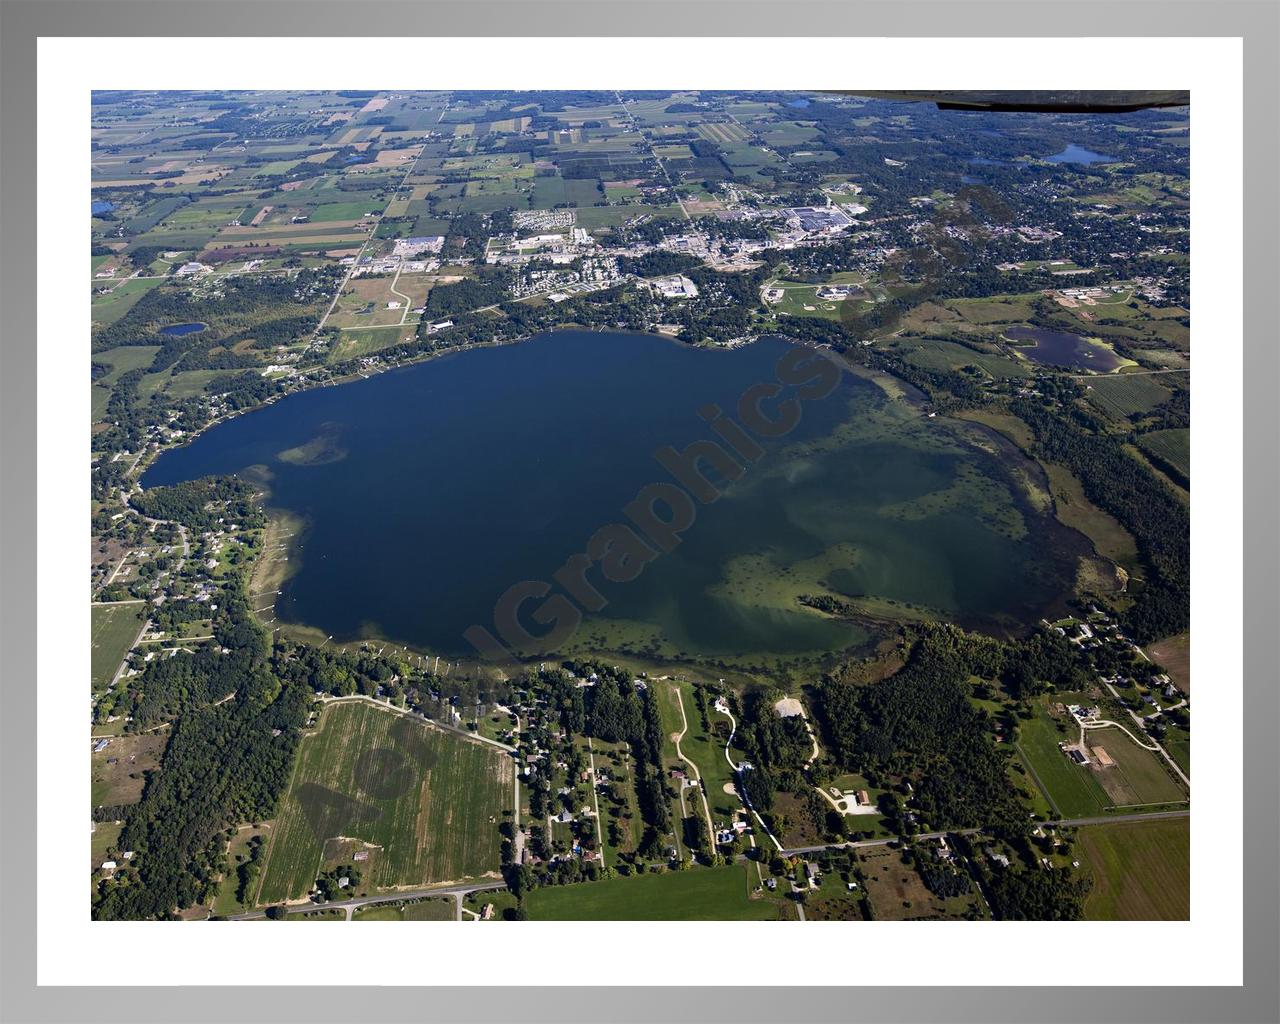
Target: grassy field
898	893
113	628
105	834
417	910
1141	870
110	306
1138	776
1072	789
425	802
226	902
1173	654
700	894
116	775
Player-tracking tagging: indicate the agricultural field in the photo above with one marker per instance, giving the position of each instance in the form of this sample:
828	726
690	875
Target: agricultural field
934	354
1141	870
112	629
1123	396
1171	448
698	894
423	802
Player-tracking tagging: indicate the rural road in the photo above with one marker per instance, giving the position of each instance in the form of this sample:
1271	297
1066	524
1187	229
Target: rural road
456	891
459	891
1109	819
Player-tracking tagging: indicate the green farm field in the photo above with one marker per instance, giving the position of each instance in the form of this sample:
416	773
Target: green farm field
1124	395
113	628
1141	870
1072	789
699	894
426	803
1171	447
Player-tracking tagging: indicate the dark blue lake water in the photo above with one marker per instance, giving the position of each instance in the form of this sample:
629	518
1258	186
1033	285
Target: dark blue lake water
101	206
1060	348
429	490
180	330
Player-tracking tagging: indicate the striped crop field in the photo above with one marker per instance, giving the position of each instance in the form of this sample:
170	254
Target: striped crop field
1172	447
1124	395
423	804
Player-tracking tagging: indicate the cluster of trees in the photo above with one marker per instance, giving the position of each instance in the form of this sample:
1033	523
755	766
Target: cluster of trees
919	725
328	885
776	747
230	663
199	504
248	870
658	263
1032	894
489	287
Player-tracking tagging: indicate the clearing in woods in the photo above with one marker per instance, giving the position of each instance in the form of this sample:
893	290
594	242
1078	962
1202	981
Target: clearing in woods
423	803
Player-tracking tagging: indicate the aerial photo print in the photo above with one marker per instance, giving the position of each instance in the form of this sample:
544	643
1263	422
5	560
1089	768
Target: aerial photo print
665	505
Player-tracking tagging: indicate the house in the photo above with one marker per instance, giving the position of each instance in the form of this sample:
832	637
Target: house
101	745
108	865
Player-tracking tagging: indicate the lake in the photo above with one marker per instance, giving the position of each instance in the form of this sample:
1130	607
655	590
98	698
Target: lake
101	206
1060	348
179	330
427	491
1074	154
